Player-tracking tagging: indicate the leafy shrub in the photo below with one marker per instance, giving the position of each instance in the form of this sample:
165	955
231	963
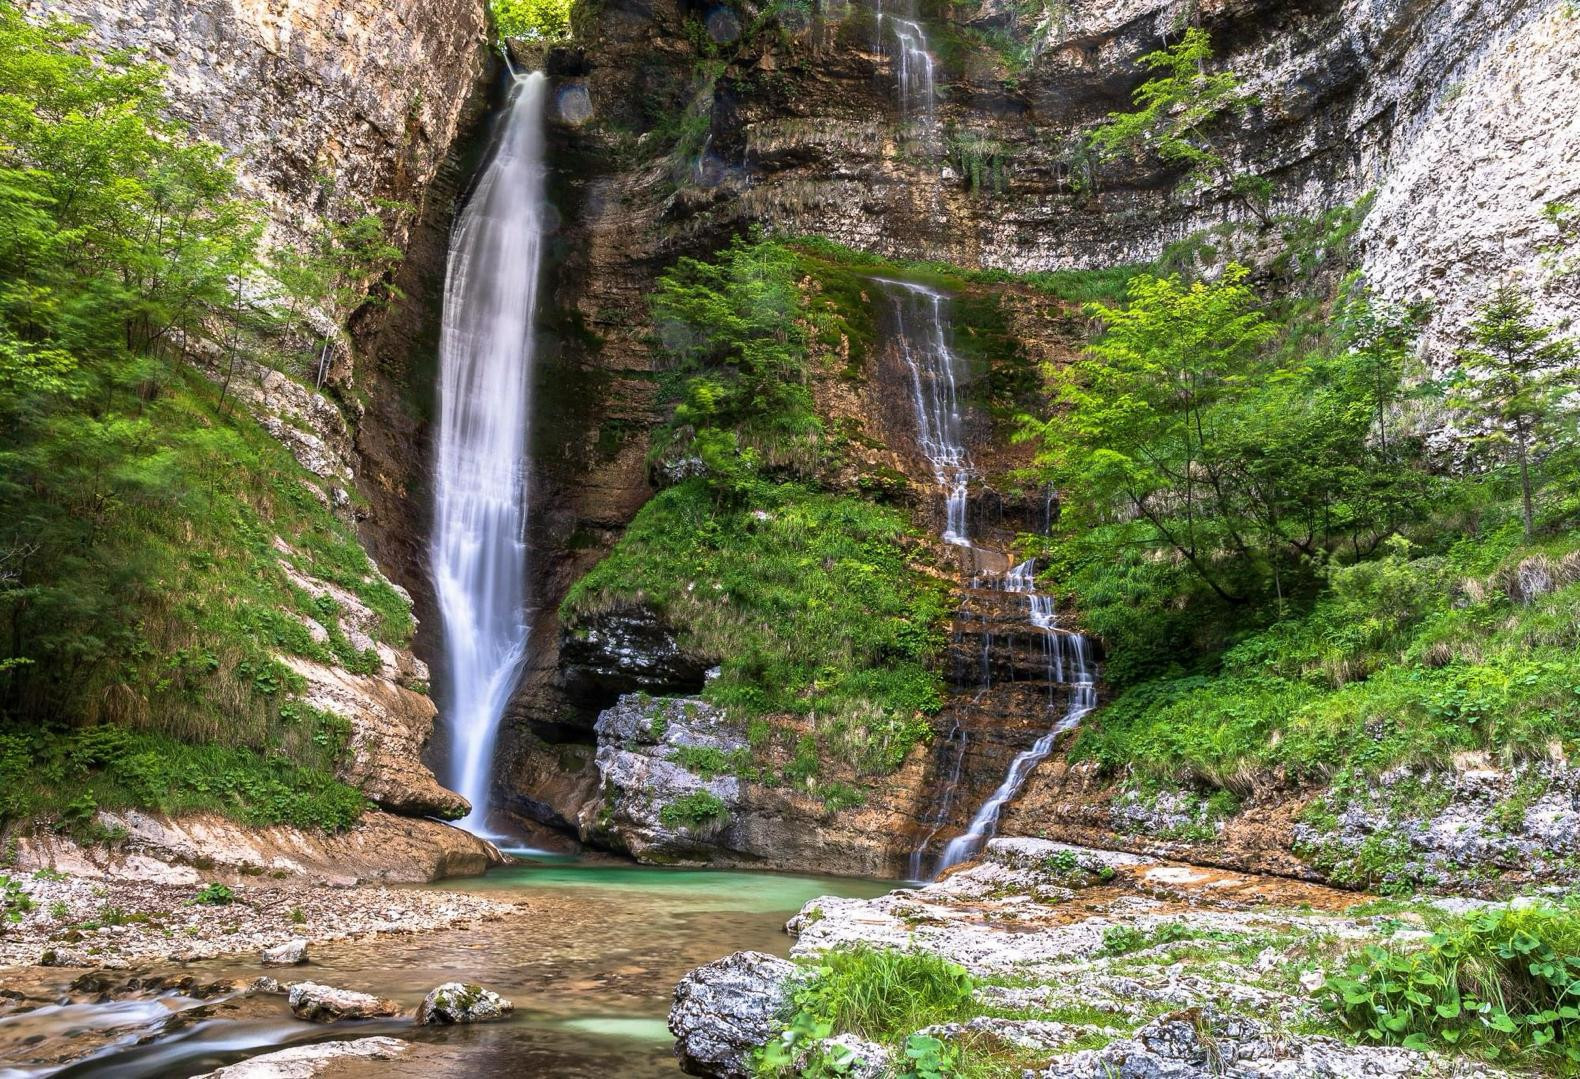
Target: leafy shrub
878	994
534	20
695	811
214	894
14	902
1503	984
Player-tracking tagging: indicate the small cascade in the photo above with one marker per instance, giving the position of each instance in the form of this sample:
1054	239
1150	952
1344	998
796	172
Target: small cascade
914	66
921	322
1068	664
486	353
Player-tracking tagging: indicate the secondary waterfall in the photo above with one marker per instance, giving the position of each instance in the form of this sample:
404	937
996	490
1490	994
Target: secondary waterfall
913	65
486	352
1068	663
921	321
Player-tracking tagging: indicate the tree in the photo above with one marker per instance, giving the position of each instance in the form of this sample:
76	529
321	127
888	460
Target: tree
1513	380
1250	464
1173	117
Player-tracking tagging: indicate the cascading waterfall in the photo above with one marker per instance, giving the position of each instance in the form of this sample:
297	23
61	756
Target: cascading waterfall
486	353
1068	663
913	65
921	319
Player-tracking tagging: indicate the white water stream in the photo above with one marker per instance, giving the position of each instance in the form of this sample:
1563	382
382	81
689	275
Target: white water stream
1068	663
486	354
922	336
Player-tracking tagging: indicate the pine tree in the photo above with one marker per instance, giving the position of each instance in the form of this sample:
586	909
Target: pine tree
1513	380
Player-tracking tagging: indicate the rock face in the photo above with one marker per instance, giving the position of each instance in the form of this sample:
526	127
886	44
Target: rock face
368	95
326	1004
457	1002
725	1010
656	753
381	848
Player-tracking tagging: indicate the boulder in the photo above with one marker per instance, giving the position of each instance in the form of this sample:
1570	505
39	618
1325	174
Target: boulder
291	953
326	1004
306	1061
726	1009
458	1002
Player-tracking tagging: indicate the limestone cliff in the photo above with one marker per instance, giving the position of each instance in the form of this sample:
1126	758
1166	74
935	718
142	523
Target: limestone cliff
324	108
673	131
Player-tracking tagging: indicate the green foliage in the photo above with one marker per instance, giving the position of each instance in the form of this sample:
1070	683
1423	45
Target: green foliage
139	577
1184	434
1175	112
878	994
1515	381
214	894
1502	984
532	20
14	902
734	329
1407	657
806	600
75	774
696	811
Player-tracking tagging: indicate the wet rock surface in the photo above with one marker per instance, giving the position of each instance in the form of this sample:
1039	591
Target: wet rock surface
291	953
306	1061
458	1002
326	1004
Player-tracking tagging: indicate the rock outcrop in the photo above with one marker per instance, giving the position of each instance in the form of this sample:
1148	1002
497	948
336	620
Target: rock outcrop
1176	971
380	848
661	761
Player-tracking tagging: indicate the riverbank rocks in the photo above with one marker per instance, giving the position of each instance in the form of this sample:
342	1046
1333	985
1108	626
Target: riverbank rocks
725	1010
458	1002
292	953
306	1061
1155	970
326	1004
1203	1042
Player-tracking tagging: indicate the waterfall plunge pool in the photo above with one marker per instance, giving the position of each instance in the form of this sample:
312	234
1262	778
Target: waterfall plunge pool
590	961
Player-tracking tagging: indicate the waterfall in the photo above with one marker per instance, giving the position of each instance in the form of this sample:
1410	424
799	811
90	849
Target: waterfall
914	71
480	484
1068	662
921	319
913	64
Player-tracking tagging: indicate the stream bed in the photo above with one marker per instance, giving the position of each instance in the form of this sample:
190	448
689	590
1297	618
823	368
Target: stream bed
590	962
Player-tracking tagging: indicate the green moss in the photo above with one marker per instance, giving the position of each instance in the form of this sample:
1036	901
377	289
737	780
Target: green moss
695	811
806	599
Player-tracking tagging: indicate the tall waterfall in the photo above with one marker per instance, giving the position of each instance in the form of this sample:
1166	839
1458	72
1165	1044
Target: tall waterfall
1069	663
921	320
486	353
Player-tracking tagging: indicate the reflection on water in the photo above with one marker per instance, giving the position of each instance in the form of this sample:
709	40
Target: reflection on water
590	960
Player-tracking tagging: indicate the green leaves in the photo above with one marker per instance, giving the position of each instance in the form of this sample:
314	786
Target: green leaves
1493	982
1175	111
